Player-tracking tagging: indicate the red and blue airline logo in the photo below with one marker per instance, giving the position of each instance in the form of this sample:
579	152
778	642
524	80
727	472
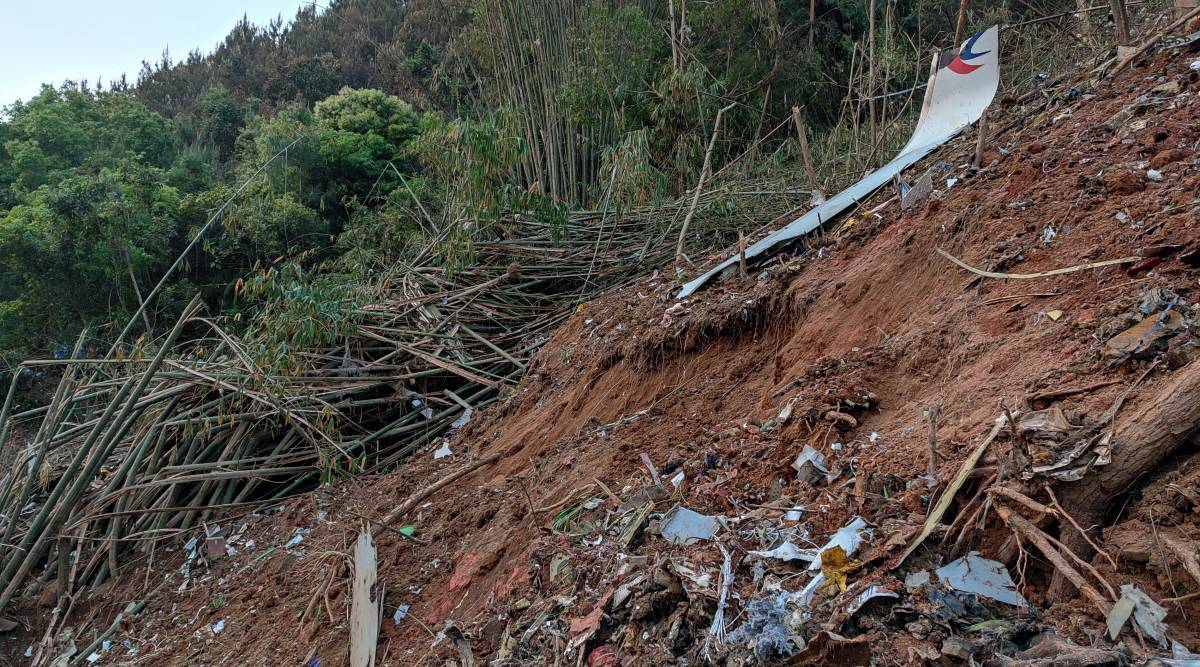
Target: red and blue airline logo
961	63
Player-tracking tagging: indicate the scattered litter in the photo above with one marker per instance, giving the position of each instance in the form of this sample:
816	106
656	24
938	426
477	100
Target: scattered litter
915	580
849	537
792	515
1181	652
1049	234
1054	314
1195	65
1154	175
653	471
810	465
786	412
93	657
1145	336
443	451
218	627
677	479
836	566
975	574
681	525
951	182
401	612
918	192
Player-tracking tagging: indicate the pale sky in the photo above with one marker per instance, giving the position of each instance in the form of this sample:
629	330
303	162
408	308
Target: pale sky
48	41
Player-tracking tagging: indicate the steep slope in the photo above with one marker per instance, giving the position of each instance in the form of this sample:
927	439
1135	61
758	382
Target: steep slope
841	348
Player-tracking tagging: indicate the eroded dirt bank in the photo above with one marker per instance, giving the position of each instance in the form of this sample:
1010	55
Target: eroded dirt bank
552	554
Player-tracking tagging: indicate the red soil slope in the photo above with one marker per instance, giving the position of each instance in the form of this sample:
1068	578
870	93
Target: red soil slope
871	323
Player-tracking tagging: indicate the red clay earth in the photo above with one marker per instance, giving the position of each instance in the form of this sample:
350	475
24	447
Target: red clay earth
871	314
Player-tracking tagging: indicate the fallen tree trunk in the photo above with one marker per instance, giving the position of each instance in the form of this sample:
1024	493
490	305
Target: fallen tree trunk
1140	441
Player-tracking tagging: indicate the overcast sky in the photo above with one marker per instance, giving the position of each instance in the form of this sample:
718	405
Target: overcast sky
49	41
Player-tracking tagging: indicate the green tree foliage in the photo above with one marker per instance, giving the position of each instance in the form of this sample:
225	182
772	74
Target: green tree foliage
383	120
101	194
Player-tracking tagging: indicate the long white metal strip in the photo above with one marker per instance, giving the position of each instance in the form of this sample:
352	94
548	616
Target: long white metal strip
958	93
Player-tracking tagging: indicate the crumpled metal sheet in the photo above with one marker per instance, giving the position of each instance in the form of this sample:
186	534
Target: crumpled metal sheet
1059	449
681	525
975	574
960	90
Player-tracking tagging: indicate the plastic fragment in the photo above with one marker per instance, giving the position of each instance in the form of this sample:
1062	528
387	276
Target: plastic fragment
297	538
914	580
849	538
443	451
463	419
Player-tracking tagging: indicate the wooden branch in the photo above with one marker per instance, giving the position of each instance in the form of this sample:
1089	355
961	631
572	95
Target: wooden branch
1022	499
934	411
960	26
419	497
1186	553
1027	531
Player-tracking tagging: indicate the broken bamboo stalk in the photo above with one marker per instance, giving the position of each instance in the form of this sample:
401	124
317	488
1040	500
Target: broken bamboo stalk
934	411
943	503
981	129
1041	274
712	141
809	172
1149	43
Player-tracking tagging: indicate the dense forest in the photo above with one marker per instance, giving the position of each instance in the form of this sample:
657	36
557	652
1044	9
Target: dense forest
350	130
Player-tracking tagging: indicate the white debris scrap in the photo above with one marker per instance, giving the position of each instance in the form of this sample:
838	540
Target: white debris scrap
810	465
788	552
681	525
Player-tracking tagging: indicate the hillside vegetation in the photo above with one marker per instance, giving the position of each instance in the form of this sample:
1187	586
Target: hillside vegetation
378	122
